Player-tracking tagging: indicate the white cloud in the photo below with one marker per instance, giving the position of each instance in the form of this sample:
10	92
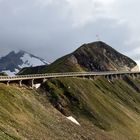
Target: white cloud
85	11
43	3
105	2
27	24
1	1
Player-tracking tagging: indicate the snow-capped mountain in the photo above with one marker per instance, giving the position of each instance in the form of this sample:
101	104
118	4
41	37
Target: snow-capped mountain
15	61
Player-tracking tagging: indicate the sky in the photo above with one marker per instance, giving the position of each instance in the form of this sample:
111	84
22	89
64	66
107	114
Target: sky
53	28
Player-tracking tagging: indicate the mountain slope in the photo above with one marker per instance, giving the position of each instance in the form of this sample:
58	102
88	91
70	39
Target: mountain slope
26	114
113	107
96	56
105	110
15	61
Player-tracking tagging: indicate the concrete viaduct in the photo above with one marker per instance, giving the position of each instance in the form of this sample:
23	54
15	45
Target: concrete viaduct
39	78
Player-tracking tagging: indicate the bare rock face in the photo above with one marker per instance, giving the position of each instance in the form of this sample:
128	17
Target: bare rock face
73	59
99	56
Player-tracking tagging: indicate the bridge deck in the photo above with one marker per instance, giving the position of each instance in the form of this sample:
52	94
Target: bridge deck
67	74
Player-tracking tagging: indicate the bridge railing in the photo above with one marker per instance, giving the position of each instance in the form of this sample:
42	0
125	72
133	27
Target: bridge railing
66	74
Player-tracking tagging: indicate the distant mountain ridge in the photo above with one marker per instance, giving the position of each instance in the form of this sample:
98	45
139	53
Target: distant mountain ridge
15	61
95	56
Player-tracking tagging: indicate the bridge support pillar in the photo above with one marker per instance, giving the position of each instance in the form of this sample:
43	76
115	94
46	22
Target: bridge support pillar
83	77
44	80
20	83
111	77
133	76
115	76
119	76
89	77
107	77
31	83
138	75
7	83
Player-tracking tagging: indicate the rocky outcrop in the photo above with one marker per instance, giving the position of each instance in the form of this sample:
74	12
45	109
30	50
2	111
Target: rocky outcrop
99	56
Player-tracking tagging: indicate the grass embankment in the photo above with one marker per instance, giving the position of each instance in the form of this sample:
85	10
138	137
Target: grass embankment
114	107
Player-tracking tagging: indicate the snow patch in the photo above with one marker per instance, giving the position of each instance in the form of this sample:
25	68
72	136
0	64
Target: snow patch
73	120
37	85
16	70
9	73
16	51
29	61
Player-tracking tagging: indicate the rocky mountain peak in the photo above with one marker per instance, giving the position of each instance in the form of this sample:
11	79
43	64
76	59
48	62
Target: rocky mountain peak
98	56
